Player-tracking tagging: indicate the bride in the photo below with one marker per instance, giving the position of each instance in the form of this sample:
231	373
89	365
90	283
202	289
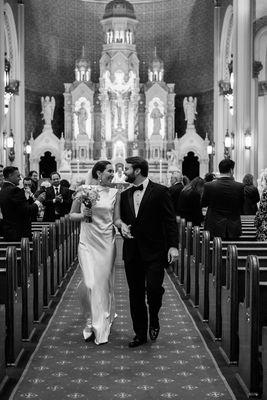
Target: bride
96	253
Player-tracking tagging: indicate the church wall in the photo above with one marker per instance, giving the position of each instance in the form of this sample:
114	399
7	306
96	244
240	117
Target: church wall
56	30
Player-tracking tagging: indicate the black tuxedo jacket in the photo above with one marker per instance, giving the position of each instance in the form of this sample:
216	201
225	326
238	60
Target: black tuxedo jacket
224	198
17	213
154	229
175	191
51	207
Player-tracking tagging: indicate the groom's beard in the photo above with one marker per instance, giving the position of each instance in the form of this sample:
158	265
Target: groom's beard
130	178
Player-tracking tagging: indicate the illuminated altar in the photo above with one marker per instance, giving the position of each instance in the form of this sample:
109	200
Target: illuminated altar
119	116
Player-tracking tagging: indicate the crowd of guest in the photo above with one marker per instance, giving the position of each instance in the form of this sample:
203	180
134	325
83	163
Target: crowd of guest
218	202
44	200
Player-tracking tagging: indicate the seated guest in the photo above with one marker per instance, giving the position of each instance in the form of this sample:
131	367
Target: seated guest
16	210
190	201
34	177
224	198
251	195
176	188
57	201
261	215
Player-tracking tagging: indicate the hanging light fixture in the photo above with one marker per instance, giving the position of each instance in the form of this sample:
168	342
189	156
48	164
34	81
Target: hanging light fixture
11	85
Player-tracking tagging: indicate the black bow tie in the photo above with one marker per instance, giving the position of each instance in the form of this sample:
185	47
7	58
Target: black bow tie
140	187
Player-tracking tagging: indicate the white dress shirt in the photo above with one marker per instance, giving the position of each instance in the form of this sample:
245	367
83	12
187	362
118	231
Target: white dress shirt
138	195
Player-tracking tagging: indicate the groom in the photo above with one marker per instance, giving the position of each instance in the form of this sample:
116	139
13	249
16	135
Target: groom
150	243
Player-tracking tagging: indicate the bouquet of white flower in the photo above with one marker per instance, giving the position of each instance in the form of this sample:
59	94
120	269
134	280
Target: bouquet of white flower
88	195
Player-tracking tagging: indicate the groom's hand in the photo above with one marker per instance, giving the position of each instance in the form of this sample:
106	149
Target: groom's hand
172	255
126	231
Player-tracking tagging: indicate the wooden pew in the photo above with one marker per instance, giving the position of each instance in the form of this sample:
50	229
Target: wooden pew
214	286
180	262
217	278
204	269
194	266
11	298
252	318
187	258
38	278
25	281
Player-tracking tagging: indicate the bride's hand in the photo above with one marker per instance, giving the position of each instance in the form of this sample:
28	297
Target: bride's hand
126	231
87	212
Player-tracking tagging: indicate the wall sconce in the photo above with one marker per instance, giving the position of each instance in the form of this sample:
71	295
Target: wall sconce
228	143
248	140
10	143
27	148
211	148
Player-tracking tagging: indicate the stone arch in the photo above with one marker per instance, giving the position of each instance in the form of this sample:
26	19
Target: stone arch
260	50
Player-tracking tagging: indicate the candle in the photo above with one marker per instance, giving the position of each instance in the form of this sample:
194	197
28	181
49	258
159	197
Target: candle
160	171
78	168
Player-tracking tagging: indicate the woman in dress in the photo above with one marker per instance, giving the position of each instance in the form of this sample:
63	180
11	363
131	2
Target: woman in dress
251	195
261	215
96	254
189	204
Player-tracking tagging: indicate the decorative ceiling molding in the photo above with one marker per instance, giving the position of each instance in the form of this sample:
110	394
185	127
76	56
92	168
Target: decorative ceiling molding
131	1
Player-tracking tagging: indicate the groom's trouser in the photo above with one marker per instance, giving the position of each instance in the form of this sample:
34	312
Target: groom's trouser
144	278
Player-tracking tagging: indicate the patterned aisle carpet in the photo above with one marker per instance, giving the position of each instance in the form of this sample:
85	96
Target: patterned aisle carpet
177	366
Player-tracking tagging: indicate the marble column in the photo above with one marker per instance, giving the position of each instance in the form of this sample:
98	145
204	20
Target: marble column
2	89
243	38
217	123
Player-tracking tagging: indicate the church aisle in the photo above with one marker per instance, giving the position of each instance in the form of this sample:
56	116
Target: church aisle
177	366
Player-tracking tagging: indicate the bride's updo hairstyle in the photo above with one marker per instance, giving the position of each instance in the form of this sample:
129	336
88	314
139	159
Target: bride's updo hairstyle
99	166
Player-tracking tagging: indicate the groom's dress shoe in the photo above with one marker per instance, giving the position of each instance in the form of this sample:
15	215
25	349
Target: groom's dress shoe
137	341
153	332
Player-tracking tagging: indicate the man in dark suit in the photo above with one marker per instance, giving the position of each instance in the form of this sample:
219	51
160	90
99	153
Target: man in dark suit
176	188
58	200
150	243
16	210
224	198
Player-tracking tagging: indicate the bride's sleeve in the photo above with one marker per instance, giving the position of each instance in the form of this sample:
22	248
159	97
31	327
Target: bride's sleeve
75	212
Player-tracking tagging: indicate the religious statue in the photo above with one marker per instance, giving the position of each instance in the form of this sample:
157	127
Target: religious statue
48	107
156	115
65	160
119	176
190	109
82	115
118	90
172	158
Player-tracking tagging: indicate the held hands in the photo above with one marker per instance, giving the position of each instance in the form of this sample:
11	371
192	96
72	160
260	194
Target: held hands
172	255
126	231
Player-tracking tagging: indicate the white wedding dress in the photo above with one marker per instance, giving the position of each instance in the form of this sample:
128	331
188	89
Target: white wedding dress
96	255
